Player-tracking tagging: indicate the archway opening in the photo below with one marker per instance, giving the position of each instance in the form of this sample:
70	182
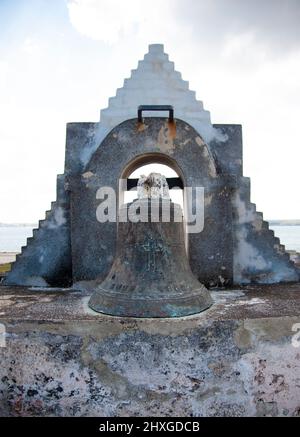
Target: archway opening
173	179
146	164
157	163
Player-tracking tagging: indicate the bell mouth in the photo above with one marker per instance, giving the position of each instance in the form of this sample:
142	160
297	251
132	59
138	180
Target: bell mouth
116	304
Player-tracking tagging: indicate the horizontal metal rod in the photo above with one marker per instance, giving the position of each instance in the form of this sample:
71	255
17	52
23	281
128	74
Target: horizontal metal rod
172	182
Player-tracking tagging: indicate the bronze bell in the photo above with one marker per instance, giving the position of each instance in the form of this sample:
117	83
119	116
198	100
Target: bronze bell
151	275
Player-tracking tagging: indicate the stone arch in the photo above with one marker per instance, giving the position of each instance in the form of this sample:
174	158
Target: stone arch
128	141
145	159
149	158
127	145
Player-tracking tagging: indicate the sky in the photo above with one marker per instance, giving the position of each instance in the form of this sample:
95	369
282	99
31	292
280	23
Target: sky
61	60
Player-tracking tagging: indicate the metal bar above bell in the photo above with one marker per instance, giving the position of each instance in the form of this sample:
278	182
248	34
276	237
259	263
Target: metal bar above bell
168	108
172	183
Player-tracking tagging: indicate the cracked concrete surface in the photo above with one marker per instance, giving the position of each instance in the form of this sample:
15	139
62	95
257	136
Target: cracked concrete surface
236	359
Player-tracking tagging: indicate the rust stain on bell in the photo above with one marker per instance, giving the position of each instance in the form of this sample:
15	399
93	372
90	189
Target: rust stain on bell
151	275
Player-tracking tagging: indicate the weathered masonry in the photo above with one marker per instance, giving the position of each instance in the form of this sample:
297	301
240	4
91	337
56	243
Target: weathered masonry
236	244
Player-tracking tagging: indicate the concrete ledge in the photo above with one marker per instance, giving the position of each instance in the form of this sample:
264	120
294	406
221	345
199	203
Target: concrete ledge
239	358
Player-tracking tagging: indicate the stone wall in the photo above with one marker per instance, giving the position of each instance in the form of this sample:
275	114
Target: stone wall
239	358
93	243
46	258
236	244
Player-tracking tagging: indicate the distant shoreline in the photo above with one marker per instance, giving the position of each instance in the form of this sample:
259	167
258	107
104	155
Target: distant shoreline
18	225
284	222
13	236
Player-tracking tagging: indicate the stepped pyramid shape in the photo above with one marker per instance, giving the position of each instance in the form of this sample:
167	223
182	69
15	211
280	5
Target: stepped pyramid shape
156	82
236	245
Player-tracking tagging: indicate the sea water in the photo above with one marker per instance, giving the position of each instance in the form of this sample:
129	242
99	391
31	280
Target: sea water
12	238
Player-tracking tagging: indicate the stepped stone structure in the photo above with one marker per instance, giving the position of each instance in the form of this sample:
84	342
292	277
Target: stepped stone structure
239	357
236	245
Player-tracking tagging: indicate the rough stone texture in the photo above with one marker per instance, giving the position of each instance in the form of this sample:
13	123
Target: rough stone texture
258	255
93	244
236	359
228	153
236	244
46	259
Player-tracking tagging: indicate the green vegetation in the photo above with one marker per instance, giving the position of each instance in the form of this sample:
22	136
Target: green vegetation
5	268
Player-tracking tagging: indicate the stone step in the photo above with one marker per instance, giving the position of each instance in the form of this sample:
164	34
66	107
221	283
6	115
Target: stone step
180	85
120	93
144	67
29	240
113	102
266	233
275	241
152	58
247	195
35	233
270	232
41	223
180	102
122	112
286	256
281	248
194	106
165	72
131	112
18	258
265	225
259	214
169	67
156	84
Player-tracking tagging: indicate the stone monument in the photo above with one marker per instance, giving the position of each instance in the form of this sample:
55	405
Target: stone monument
235	245
240	357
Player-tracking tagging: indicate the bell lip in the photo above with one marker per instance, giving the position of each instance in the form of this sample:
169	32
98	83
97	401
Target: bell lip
176	307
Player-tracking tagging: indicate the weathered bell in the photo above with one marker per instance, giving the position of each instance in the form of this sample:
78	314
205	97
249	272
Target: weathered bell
151	275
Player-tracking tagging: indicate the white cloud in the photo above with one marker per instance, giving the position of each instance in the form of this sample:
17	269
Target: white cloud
119	21
106	20
30	46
